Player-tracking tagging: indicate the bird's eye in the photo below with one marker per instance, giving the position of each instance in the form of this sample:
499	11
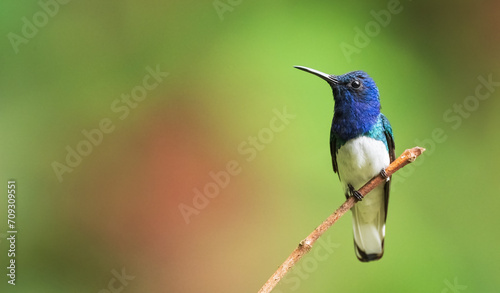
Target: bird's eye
355	84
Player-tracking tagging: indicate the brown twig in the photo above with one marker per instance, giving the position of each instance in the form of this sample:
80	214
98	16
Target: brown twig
305	245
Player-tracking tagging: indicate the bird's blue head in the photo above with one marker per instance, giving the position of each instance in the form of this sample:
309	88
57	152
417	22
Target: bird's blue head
357	103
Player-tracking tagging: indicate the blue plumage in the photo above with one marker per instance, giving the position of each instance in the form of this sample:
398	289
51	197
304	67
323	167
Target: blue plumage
361	145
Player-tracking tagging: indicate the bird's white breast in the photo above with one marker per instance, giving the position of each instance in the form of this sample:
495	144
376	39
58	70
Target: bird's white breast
360	159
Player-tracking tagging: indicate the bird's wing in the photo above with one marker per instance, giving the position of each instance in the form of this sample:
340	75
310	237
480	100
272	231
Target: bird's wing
392	156
389	137
333	152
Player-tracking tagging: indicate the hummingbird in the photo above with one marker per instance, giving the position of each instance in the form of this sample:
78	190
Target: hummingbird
361	146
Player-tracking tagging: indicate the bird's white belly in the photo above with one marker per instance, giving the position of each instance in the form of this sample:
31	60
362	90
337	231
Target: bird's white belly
360	159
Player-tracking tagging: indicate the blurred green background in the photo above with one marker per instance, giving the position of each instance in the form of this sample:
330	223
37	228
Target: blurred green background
65	67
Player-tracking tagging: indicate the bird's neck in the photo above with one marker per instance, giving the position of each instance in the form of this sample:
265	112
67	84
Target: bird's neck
353	118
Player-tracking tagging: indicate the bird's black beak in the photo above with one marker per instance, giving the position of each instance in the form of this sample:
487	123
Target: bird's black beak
331	79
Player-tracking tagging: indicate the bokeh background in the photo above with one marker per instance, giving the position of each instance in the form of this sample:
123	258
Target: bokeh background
230	70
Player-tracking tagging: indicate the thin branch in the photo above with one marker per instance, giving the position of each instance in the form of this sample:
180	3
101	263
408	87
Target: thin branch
305	245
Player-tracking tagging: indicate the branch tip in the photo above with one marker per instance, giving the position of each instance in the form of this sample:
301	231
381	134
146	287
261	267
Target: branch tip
418	150
413	153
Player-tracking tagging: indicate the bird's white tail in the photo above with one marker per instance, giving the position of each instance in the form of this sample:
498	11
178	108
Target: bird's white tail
368	219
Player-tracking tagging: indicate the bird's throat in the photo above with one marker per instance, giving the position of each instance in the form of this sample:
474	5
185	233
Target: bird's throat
350	121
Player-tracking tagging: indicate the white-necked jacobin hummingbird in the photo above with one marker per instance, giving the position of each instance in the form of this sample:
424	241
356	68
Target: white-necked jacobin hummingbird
361	145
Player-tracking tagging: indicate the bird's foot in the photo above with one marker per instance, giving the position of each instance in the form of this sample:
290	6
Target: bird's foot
383	174
355	193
